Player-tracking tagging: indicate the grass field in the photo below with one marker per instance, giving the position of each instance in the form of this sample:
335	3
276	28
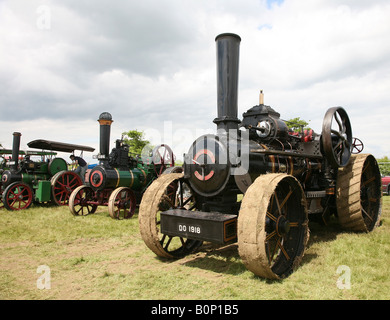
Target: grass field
96	257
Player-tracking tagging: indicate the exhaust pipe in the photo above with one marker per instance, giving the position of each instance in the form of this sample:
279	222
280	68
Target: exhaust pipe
105	120
228	47
15	150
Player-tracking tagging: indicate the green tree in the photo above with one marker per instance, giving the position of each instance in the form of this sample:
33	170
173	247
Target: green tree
384	166
136	140
297	124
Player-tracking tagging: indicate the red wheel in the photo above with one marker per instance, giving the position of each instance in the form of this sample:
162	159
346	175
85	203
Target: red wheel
80	201
17	196
162	157
62	185
121	204
357	146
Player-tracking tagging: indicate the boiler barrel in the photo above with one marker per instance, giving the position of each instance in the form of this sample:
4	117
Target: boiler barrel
107	178
10	176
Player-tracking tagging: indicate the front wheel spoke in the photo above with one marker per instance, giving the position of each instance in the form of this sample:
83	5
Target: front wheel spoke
283	249
168	243
271	235
168	201
271	216
275	247
285	199
278	204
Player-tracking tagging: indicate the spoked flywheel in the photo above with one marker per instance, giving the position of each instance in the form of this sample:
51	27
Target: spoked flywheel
358	194
163	158
273	226
169	191
337	137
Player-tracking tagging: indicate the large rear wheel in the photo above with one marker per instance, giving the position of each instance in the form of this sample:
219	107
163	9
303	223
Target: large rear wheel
358	194
62	185
273	226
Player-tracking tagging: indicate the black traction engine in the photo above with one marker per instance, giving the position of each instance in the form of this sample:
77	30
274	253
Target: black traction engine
258	183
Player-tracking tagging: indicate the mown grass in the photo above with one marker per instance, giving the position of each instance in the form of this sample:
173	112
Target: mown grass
96	257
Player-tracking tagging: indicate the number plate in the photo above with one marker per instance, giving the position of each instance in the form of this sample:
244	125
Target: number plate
189	228
197	225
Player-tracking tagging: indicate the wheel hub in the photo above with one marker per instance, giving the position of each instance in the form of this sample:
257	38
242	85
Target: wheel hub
282	226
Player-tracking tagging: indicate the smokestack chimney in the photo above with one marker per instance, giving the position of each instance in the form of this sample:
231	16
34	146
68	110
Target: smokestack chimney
228	47
15	150
105	120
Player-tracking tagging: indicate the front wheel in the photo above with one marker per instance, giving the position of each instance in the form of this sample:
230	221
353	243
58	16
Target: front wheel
169	191
17	196
81	201
122	203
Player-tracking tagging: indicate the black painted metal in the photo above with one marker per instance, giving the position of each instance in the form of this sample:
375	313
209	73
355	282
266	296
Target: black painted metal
15	150
228	46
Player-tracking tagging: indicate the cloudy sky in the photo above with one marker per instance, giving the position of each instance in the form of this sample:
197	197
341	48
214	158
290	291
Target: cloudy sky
151	64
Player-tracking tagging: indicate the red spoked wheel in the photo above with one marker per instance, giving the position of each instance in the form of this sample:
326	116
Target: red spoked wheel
162	157
62	185
357	146
122	203
81	201
17	196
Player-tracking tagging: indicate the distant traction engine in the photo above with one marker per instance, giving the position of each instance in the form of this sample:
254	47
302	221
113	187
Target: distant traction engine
119	180
48	180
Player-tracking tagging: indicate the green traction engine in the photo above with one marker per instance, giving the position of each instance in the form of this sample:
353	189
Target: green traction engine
47	180
119	180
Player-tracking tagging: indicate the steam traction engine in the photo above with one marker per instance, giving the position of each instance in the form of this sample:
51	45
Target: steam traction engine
120	179
29	181
283	178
